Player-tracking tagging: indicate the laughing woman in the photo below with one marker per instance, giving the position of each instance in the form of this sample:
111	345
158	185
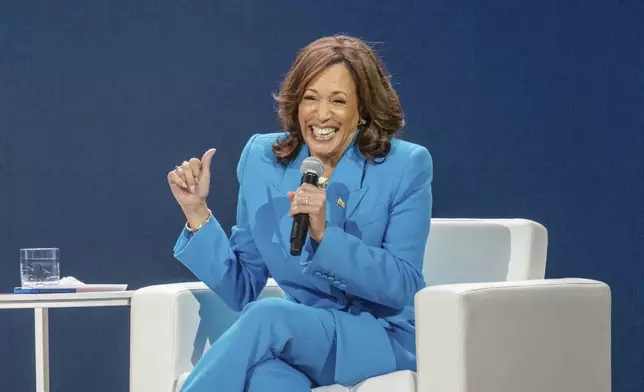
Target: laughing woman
348	312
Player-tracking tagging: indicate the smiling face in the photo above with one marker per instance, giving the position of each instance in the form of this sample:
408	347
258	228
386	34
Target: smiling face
328	113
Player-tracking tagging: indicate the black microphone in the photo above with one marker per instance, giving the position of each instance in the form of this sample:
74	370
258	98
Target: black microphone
311	169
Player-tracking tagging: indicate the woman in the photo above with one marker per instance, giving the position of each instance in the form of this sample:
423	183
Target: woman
347	313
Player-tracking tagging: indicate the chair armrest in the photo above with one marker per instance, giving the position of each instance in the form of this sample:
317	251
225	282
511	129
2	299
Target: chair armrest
530	336
171	326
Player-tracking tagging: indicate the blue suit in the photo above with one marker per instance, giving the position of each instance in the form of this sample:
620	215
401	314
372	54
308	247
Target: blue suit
348	308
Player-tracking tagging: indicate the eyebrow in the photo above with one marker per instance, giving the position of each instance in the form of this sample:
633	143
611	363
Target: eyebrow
332	93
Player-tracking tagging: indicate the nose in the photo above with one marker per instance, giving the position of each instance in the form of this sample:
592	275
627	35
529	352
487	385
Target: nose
323	111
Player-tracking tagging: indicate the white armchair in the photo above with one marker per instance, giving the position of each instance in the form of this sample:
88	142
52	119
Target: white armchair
487	322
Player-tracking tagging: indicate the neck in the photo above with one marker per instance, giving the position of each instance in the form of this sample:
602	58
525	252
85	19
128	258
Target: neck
329	164
328	170
331	161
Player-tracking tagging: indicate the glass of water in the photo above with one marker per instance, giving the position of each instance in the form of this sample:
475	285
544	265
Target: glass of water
39	267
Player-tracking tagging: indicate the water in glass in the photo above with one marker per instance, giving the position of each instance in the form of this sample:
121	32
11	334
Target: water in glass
39	267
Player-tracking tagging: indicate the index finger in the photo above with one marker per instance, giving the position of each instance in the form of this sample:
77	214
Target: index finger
195	165
310	188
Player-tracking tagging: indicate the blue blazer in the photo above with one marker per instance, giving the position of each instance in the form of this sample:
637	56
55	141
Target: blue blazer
367	267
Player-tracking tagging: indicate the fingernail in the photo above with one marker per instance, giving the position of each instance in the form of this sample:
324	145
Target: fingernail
192	189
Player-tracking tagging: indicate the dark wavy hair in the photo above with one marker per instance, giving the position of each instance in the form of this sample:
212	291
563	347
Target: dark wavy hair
377	101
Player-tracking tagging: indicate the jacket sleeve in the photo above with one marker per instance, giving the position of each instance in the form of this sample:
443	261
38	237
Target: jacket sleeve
233	268
390	274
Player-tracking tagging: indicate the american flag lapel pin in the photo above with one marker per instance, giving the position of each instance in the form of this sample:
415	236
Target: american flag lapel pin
340	202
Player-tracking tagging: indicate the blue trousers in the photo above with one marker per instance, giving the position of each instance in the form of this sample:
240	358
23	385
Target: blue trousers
275	345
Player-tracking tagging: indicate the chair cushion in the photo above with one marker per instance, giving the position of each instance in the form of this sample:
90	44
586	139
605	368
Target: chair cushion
401	381
182	379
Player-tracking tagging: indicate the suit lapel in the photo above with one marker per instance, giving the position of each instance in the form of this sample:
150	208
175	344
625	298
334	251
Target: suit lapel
292	177
345	190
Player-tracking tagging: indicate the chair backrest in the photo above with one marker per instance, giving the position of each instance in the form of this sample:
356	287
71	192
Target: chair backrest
484	250
478	250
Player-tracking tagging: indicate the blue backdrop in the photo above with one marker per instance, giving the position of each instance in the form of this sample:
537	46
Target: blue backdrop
530	109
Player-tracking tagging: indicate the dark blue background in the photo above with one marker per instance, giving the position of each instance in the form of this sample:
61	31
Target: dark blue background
530	109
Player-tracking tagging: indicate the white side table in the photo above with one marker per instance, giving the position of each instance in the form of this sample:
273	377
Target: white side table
41	303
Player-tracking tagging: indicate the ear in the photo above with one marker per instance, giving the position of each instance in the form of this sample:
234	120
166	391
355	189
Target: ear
363	115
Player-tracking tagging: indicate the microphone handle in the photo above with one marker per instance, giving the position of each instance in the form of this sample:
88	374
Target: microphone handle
300	227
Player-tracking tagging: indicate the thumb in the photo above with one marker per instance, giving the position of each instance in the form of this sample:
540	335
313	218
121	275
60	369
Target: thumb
290	195
205	161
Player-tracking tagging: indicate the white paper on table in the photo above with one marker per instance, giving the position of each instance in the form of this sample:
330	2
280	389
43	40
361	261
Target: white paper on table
69	282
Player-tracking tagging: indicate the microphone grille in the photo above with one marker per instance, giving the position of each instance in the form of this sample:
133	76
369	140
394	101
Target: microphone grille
312	165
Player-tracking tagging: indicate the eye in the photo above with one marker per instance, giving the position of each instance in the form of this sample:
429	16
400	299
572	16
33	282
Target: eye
339	101
308	98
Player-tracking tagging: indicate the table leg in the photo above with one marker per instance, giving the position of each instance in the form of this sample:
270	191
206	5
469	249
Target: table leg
41	321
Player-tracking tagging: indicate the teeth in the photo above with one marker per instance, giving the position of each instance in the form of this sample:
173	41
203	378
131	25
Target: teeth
323	131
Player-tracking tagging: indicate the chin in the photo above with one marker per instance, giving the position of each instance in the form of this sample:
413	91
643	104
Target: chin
320	152
323	143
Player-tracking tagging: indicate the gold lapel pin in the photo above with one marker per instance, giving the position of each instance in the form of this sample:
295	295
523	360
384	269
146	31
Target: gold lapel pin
340	202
